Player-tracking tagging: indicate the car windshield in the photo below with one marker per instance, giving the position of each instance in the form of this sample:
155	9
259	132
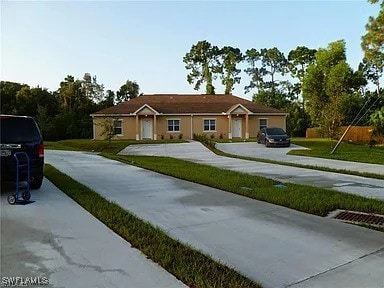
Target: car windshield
275	131
18	130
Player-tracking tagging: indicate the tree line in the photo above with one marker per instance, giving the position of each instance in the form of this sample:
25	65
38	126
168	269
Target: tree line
316	87
64	113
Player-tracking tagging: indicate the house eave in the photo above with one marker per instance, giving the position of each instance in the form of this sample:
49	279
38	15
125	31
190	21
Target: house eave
111	115
271	114
184	114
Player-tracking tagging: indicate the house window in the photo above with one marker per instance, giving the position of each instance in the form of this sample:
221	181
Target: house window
118	127
210	125
173	125
263	123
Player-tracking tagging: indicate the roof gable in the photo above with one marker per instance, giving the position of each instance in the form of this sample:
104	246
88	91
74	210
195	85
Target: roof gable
238	109
145	110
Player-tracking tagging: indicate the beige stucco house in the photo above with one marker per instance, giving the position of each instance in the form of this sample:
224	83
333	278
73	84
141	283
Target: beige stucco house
165	116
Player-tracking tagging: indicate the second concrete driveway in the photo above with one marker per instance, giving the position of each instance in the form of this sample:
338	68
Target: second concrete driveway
249	149
196	152
272	244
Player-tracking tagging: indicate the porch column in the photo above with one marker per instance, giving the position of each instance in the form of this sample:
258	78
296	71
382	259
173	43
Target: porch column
246	126
191	126
94	128
230	126
137	128
154	127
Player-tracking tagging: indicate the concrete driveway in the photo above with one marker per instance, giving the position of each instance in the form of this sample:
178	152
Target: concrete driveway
272	244
249	149
57	239
196	152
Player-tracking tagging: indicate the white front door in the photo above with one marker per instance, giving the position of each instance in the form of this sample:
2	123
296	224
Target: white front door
236	128
146	128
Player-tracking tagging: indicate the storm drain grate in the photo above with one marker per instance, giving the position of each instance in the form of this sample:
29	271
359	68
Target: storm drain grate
359	217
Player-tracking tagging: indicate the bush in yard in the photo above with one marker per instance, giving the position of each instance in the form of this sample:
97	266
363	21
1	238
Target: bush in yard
204	140
108	130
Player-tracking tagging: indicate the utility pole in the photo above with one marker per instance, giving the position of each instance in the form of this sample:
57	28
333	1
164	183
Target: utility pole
341	138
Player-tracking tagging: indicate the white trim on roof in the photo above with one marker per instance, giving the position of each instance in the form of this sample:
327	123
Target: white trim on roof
234	107
146	106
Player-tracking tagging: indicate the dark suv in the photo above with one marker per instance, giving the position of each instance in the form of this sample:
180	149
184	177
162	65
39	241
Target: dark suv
21	134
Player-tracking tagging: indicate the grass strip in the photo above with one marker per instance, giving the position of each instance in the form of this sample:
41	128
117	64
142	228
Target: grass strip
321	148
309	199
189	265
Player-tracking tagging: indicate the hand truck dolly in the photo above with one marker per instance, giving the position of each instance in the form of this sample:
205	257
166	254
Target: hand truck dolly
22	161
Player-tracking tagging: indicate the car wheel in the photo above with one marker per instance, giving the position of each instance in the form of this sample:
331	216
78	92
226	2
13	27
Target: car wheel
266	143
36	184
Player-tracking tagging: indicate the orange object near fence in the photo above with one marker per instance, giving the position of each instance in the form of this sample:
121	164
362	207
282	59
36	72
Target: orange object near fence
355	134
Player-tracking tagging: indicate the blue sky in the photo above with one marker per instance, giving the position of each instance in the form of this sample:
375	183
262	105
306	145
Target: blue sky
43	41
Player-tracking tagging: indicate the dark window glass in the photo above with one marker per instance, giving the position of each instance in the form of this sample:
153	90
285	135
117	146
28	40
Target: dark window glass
18	130
263	123
173	125
210	125
275	131
117	129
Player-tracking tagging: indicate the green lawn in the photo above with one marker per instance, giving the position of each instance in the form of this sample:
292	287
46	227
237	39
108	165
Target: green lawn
346	151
